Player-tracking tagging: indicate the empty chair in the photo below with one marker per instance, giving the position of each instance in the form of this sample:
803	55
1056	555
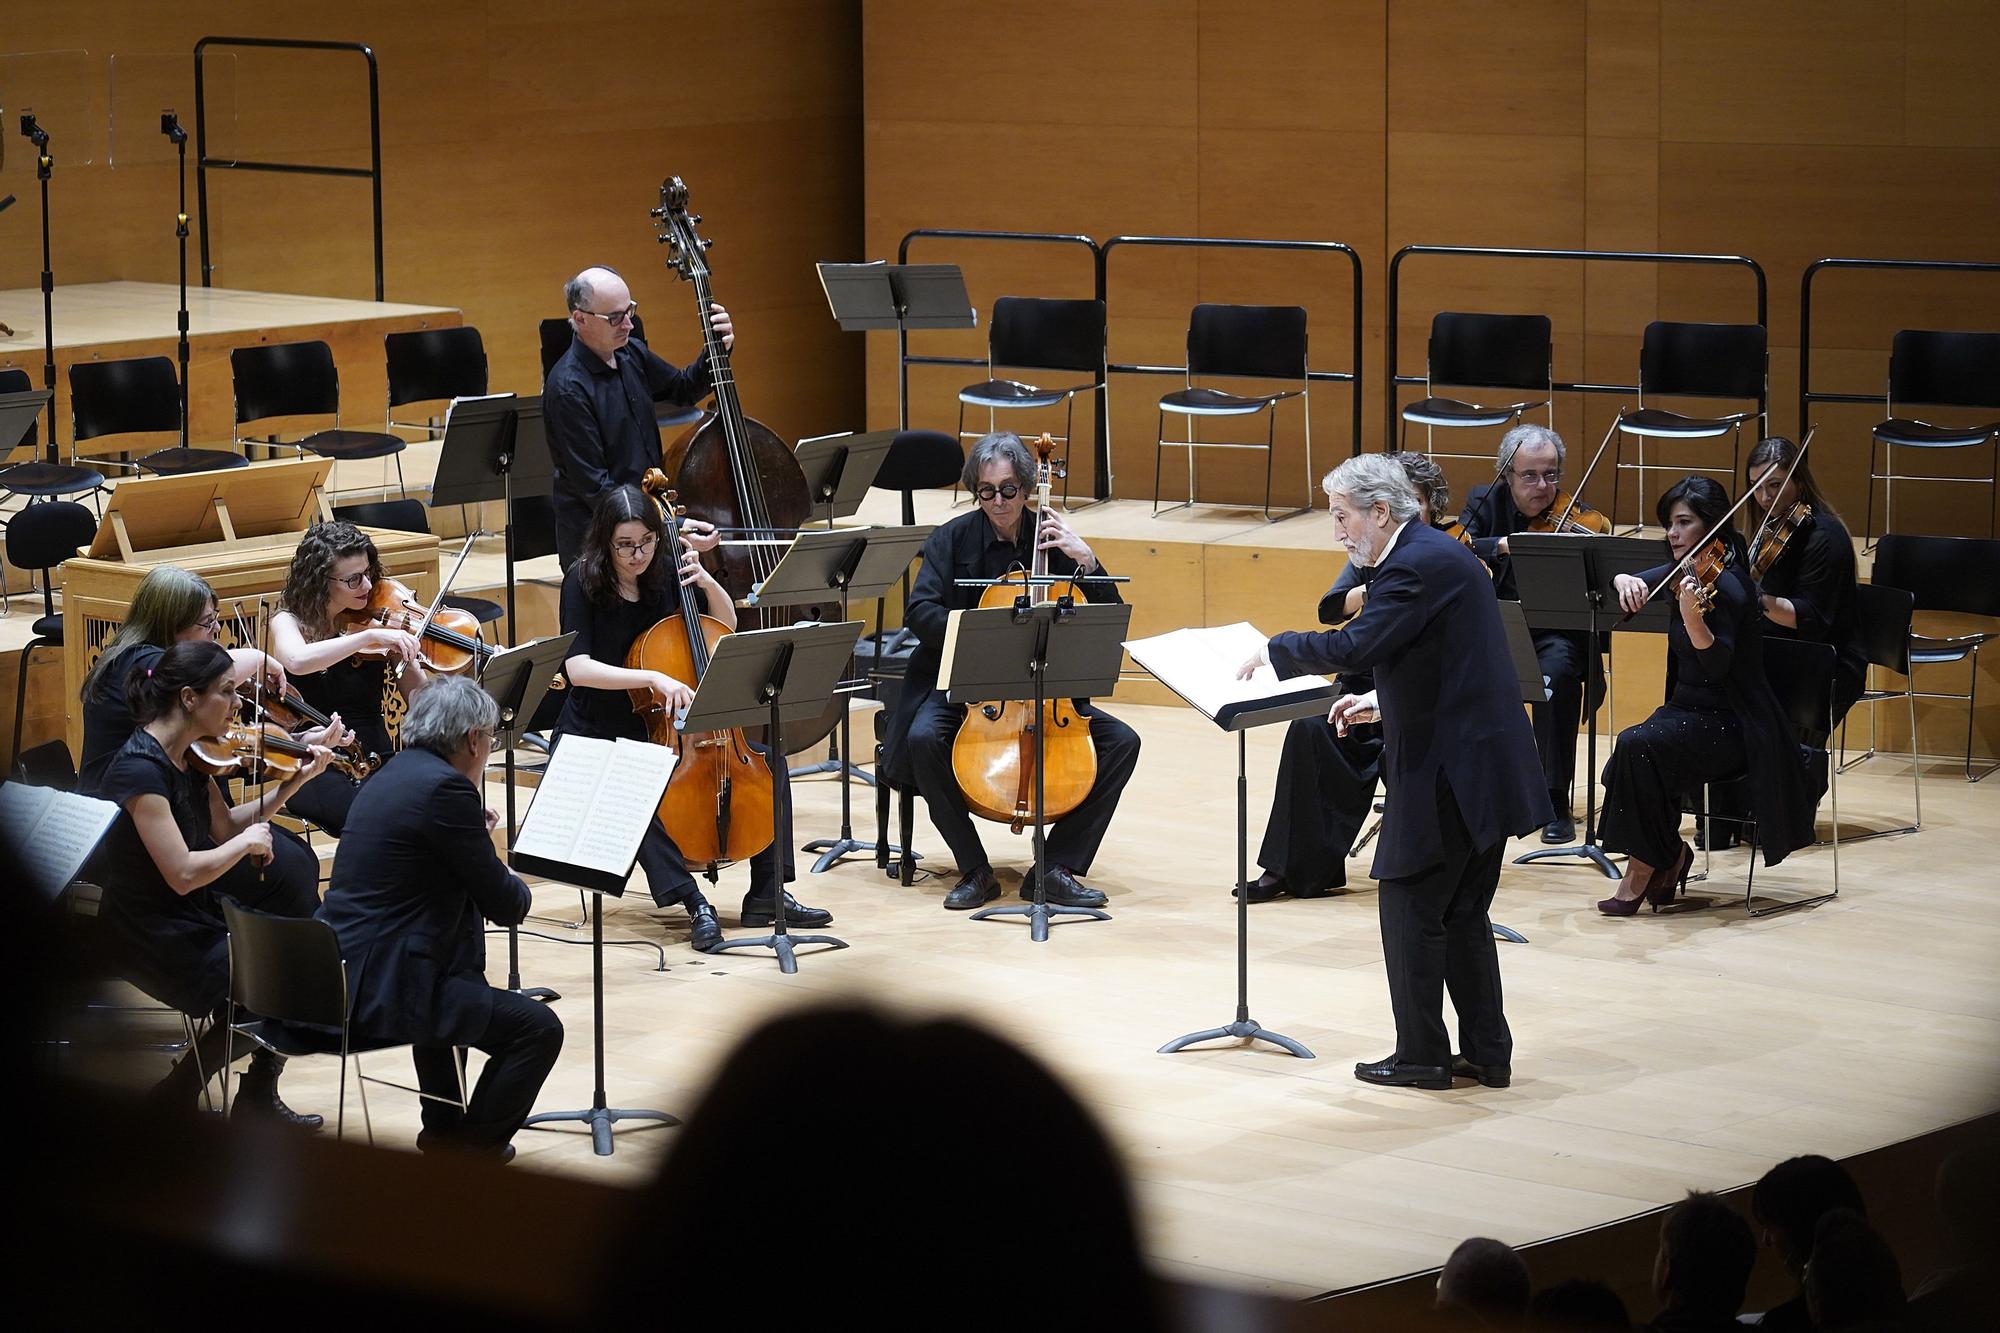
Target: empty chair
1958	575
1694	361
139	396
1945	370
433	366
556	337
409	516
1266	342
1038	333
1882	615
1478	351
41	537
299	379
37	478
47	765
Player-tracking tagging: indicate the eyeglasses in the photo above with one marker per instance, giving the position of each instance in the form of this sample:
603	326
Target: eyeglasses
989	491
616	318
1549	478
633	550
354	582
210	622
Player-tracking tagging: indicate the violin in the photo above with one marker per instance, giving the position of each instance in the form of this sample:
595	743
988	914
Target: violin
717	805
447	638
1771	538
993	755
1706	567
292	713
259	752
1568	514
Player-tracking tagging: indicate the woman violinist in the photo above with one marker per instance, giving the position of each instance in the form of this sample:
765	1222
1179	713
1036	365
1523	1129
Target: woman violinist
1720	717
1806	558
333	573
621	585
173	844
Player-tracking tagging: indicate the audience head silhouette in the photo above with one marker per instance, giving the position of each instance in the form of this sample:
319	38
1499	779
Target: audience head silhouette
1578	1304
1852	1280
1792	1197
1485	1280
1705	1257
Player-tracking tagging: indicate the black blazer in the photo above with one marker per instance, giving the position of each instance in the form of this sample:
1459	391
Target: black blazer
1450	705
413	876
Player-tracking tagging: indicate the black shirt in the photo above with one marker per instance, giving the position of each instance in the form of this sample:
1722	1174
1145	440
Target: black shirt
107	717
1816	574
1490	514
353	688
605	633
601	426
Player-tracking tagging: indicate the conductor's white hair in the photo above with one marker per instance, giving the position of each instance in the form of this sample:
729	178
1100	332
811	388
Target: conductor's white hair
1372	479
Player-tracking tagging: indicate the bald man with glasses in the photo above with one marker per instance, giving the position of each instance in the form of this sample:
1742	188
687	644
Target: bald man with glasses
597	404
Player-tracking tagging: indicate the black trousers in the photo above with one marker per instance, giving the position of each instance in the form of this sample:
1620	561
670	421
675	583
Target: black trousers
289	886
1325	786
1073	839
1565	660
1437	937
521	1042
1658	764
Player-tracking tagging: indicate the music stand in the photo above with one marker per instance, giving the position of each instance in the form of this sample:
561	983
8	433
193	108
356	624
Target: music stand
1564	582
494	449
517	679
840	469
17	416
900	297
1052	650
768	677
858	562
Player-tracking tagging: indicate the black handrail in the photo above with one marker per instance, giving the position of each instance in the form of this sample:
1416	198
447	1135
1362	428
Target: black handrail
1806	396
203	162
1393	381
1100	482
1202	242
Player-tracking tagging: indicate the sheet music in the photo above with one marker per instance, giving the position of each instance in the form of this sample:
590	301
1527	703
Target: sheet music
595	802
1200	666
52	833
452	406
950	648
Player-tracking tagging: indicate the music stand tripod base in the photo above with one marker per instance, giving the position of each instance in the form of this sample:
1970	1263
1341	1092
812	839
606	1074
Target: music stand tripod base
1038	913
600	1119
1583	850
782	943
1243	1029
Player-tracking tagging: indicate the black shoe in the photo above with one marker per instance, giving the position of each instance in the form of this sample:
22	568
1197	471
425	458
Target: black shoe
257	1099
1560	830
1490	1076
761	910
704	931
1267	887
1390	1073
498	1154
975	890
1063	889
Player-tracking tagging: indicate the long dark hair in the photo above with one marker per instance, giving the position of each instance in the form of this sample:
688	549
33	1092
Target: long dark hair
153	692
624	504
1778	450
168	600
1706	499
310	580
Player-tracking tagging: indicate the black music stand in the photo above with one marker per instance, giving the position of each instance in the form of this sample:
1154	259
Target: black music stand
1053	650
517	679
900	297
17	416
858	562
768	677
840	468
1565	584
494	448
1262	715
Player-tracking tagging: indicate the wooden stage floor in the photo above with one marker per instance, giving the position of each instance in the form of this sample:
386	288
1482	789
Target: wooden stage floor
1654	1054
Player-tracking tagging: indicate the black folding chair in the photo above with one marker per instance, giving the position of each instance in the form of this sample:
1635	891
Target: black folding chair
299	379
1039	333
1884	615
139	396
1942	369
39	538
1956	575
1483	352
432	366
1694	361
1266	342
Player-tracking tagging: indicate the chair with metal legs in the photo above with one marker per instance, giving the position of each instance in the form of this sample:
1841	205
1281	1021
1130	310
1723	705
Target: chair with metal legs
1039	333
1485	352
1884	614
300	379
1264	342
1945	369
1955	575
1701	361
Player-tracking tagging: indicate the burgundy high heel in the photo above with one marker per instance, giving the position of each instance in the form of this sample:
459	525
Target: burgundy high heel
1667	884
1616	906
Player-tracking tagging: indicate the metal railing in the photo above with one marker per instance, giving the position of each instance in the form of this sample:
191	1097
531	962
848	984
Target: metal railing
1807	395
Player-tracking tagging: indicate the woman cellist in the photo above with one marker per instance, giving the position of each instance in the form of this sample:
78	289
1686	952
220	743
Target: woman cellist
621	585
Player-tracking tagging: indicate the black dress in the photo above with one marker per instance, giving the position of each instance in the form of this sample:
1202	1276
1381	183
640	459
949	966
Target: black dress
107	717
352	688
1720	720
1816	574
605	633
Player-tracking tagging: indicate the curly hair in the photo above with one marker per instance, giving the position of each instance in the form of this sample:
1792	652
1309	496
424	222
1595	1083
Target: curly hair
1430	482
310	580
623	504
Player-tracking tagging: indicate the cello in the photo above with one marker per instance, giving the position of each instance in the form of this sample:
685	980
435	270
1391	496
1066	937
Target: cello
717	805
731	469
993	755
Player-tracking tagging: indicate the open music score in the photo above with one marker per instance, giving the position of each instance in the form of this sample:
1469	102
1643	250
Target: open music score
591	810
51	833
1200	666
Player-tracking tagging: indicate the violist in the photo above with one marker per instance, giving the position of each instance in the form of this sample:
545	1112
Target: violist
1808	591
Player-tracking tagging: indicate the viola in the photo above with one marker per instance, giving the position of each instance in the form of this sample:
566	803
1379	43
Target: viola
292	713
993	755
1568	514
256	751
1772	536
447	638
717	805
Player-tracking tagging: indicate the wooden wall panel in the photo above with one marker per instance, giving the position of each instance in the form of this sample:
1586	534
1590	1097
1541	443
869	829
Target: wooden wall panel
1783	71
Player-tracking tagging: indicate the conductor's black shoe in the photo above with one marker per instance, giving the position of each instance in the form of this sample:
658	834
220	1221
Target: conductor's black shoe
761	910
1559	830
975	890
1063	889
1267	887
1390	1074
429	1142
1490	1076
257	1099
704	930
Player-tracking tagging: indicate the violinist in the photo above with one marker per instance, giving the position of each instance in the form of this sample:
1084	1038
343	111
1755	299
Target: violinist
174	840
1807	588
621	585
1527	496
1326	776
337	671
1002	534
1720	717
597	404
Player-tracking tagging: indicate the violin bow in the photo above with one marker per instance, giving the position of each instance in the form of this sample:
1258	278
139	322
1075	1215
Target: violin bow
1695	550
257	704
1772	512
1576	493
430	612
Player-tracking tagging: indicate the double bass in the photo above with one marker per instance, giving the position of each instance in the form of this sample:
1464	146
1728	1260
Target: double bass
717	806
993	756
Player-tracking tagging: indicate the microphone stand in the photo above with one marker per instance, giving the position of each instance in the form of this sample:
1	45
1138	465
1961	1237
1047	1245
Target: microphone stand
170	126
45	165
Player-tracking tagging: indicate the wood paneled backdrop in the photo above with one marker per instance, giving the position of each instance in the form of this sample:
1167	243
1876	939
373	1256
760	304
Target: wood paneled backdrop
1785	130
520	142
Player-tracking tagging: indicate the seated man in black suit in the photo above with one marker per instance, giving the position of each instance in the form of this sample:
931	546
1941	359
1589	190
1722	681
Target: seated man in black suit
414	876
1458	761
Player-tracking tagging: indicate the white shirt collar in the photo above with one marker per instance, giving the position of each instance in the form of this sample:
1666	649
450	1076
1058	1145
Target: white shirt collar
1391	546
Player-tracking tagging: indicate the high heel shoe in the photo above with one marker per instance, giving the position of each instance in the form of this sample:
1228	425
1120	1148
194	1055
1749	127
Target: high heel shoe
1670	882
1621	906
